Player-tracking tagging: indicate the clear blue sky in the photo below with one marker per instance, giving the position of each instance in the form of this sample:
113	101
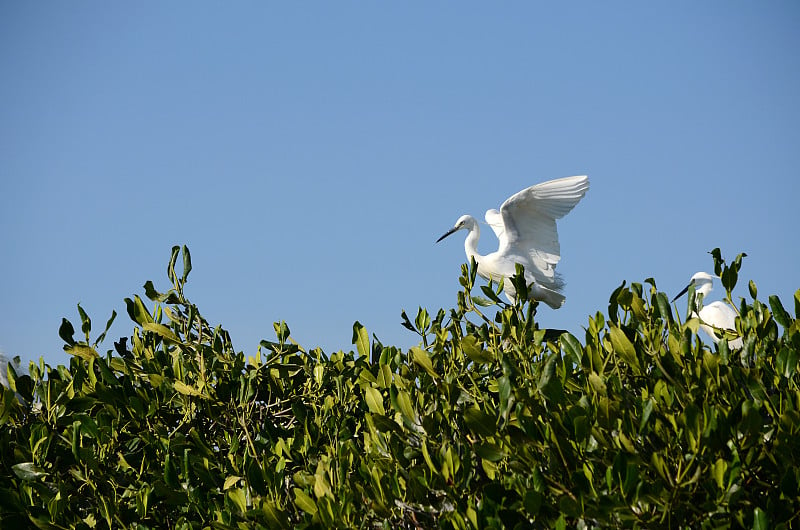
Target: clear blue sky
309	154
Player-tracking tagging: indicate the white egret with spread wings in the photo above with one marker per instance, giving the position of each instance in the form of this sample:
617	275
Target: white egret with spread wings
526	229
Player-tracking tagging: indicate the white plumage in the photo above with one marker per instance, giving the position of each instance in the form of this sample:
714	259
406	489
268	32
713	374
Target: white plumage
715	315
525	226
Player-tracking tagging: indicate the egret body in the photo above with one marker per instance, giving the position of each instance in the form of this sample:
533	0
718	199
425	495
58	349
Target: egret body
714	316
526	229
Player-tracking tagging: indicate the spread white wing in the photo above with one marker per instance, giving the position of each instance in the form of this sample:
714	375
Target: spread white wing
495	220
526	224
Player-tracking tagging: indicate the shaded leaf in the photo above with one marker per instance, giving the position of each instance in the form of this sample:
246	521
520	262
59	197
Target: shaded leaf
479	422
490	451
778	312
66	331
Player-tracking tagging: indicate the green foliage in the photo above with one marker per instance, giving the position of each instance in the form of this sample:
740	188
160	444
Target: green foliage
490	422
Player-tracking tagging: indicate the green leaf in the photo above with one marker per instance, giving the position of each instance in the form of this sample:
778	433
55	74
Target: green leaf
481	301
86	322
760	519
718	471
275	517
532	501
420	358
230	482
479	422
66	331
597	383
572	347
623	346
647	410
238	498
161	330
83	351
423	320
490	451
469	345
185	389
173	258
405	406
137	311
718	261
427	457
664	309
778	312
786	361
28	471
304	502
361	339
549	383
187	263
797	303
374	400
109	322
490	294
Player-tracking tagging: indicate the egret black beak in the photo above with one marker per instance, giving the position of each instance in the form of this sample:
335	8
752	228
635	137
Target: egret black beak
681	293
454	229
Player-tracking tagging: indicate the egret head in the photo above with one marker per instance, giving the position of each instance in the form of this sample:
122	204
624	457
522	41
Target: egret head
702	282
465	222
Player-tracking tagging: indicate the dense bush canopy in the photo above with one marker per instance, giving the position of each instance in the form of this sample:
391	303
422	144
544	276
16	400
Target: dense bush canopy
490	422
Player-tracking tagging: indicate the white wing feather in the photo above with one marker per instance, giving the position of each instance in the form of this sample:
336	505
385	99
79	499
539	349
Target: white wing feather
529	233
495	220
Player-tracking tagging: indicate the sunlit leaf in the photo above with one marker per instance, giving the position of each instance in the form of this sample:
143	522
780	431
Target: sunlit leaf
572	347
28	471
304	502
420	358
237	496
185	389
361	339
161	330
405	406
470	346
481	301
230	482
374	400
83	351
623	346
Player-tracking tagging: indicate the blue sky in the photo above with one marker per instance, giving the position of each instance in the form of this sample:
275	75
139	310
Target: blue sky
309	154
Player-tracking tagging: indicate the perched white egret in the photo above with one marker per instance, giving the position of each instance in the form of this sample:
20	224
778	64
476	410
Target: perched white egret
714	316
526	228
